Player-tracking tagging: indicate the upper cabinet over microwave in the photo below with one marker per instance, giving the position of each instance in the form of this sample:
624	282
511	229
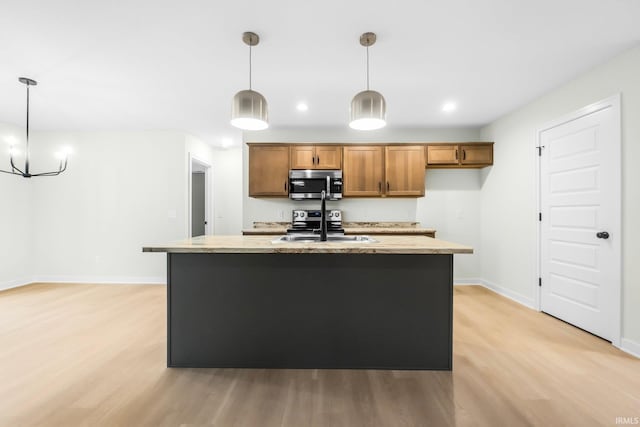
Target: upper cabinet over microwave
316	156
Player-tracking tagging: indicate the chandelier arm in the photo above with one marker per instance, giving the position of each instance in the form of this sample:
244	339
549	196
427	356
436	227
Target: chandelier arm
60	170
47	173
10	173
14	167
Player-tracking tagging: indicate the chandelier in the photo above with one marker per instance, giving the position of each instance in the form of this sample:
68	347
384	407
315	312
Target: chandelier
25	171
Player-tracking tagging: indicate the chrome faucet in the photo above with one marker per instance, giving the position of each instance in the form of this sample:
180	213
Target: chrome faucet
323	216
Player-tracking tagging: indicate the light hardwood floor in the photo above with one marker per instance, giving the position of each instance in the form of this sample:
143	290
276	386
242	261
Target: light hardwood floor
95	355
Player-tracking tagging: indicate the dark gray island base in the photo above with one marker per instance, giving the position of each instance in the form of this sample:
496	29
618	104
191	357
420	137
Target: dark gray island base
310	310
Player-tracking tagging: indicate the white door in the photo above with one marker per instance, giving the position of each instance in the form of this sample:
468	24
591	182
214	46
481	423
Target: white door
580	227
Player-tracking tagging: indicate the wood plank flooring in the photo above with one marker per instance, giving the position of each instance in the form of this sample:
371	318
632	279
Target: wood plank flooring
73	355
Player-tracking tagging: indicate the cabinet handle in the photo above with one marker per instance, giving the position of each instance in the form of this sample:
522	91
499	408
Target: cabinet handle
464	154
318	160
387	186
456	154
313	160
285	186
379	186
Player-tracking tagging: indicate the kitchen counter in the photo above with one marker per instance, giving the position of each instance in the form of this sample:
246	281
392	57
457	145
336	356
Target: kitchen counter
373	228
245	302
263	244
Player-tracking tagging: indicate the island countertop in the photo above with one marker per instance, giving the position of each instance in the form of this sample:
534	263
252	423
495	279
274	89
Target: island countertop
373	228
263	244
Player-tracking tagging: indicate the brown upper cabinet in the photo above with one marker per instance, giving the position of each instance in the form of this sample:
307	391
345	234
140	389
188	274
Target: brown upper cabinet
394	170
474	155
316	156
363	170
442	155
375	171
404	170
268	170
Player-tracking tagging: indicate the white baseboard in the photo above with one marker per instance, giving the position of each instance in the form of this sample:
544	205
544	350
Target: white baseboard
508	293
14	283
630	346
102	280
464	282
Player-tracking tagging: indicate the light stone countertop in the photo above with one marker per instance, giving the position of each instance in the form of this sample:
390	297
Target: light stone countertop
263	244
347	230
350	228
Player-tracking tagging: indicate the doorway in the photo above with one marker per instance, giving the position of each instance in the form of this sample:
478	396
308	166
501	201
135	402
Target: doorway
199	197
579	235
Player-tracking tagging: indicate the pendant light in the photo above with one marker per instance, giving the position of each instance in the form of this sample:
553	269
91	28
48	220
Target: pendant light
368	108
249	111
25	172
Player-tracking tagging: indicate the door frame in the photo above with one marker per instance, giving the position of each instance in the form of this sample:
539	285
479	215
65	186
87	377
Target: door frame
612	102
208	199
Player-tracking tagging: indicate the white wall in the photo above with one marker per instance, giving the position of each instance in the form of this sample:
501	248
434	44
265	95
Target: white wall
227	184
508	194
451	204
15	215
121	191
452	207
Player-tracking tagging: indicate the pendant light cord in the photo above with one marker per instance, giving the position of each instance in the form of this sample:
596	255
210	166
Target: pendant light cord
367	67
249	67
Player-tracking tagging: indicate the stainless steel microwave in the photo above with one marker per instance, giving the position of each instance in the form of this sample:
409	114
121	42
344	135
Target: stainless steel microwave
308	184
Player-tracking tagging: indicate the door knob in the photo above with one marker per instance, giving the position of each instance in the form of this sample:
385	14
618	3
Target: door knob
602	235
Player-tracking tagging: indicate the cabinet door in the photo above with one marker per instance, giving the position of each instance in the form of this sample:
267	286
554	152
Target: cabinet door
442	154
303	157
268	170
362	171
476	154
328	157
404	170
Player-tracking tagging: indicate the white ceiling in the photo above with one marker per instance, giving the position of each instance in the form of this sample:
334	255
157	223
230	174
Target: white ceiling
167	64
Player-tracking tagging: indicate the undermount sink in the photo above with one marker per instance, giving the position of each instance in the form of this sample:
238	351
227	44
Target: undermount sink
312	238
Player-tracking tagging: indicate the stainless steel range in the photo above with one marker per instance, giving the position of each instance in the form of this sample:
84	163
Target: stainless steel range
308	221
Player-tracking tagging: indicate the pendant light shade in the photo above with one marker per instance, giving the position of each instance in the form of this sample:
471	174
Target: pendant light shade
368	108
368	111
249	110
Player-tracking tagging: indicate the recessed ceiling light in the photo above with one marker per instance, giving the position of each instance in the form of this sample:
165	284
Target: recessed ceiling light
226	142
449	107
302	106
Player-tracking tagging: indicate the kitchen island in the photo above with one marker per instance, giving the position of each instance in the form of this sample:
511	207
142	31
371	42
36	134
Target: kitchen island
245	302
